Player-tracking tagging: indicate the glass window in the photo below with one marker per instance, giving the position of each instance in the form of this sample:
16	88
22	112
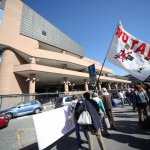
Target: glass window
68	99
43	33
59	100
33	102
22	105
1	15
27	103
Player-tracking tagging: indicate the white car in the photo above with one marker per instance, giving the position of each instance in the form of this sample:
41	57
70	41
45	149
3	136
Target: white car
64	101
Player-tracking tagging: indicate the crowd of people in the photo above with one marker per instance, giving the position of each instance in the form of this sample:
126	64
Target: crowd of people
139	98
100	107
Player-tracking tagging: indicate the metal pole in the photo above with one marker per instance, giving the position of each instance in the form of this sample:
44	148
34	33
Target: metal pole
104	62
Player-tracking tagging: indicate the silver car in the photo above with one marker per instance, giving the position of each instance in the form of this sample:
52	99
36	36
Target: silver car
64	101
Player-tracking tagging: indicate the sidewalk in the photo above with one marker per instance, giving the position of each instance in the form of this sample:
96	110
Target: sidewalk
127	137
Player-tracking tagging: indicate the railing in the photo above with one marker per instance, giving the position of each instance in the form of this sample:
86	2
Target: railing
8	101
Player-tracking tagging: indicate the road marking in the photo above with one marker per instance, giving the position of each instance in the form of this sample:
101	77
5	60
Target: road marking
19	135
19	139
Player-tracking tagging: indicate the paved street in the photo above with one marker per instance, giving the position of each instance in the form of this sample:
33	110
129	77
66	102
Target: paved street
20	132
127	137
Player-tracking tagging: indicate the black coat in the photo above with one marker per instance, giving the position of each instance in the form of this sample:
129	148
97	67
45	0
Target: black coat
92	107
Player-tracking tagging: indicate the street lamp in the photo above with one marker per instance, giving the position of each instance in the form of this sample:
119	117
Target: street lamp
72	85
32	79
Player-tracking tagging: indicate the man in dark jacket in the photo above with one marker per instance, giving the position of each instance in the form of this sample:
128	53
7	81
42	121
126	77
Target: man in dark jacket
106	98
94	129
133	99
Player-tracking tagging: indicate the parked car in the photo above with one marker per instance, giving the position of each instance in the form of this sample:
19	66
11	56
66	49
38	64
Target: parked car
64	101
4	120
24	108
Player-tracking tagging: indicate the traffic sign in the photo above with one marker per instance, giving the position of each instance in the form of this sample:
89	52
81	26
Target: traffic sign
92	73
91	69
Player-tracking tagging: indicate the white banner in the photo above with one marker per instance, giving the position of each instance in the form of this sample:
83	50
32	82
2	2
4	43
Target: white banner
129	53
52	125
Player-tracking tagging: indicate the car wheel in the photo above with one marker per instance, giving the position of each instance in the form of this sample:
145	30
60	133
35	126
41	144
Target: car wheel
37	110
10	115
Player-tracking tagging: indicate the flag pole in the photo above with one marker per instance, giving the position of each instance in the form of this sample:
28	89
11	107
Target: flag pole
97	81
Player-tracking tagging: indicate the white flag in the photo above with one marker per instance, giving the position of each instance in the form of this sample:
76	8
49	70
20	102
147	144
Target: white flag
130	54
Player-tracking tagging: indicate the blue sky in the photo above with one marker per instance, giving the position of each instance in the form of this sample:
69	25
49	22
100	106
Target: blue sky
92	23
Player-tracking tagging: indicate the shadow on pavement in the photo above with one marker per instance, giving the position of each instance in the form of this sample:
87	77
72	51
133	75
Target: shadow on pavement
33	146
131	127
64	143
135	142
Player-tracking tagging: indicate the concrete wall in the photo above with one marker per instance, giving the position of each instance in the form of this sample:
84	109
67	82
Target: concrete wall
9	81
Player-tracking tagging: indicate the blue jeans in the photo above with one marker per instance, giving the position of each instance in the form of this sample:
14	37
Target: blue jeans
122	101
128	100
77	130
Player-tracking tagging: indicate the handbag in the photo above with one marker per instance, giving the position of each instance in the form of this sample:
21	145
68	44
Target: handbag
85	118
107	122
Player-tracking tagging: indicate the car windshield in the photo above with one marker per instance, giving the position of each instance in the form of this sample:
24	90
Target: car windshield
68	99
34	102
25	103
80	98
59	100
